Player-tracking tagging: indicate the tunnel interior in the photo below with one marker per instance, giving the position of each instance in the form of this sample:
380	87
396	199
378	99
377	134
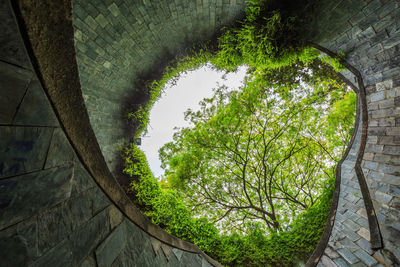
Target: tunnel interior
68	69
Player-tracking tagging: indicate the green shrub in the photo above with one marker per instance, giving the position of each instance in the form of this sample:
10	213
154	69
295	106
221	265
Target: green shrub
265	39
166	209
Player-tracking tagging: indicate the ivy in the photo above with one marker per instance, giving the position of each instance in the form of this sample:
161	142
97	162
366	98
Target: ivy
165	208
266	39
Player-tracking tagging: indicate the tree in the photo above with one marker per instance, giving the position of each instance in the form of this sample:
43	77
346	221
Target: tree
261	153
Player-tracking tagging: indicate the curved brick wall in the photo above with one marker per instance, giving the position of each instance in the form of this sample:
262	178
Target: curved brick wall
369	34
60	205
126	41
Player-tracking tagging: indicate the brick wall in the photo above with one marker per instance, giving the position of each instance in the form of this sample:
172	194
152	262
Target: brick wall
52	212
118	43
368	32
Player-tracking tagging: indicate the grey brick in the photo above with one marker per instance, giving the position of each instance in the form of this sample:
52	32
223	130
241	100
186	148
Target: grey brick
340	262
366	34
371	7
327	262
365	245
377	96
364	232
351	235
387	8
382	197
364	257
348	256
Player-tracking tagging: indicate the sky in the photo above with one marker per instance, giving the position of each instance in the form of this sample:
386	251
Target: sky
168	112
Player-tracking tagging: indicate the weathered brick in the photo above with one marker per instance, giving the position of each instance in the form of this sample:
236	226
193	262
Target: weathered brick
368	156
389	169
327	262
373	106
390	42
393	92
381	113
376	131
377	96
382	197
386	122
396	101
371	165
374	148
391	179
393	72
391	150
114	9
375	175
365	258
331	253
386	9
389	103
348	256
385	85
393	131
371	7
370	89
365	245
100	19
341	262
387	140
372	139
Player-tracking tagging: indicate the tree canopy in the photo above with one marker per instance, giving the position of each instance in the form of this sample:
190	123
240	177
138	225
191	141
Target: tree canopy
264	152
251	181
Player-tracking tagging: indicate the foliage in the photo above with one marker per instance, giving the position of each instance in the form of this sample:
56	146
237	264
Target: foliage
284	249
265	39
259	154
163	206
198	57
253	248
287	94
335	62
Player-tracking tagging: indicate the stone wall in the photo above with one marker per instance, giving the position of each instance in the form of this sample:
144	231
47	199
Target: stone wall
368	32
58	209
52	212
126	41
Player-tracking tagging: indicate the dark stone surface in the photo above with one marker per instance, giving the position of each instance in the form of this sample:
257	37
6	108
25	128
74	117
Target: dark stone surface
100	200
35	108
59	256
160	259
13	251
13	85
89	262
60	151
11	47
190	259
53	228
82	180
23	149
88	236
112	246
19	244
27	197
57	223
68	212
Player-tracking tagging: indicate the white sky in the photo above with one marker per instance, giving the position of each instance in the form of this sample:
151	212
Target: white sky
168	111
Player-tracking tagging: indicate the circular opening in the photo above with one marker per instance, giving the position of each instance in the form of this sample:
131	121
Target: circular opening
250	181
